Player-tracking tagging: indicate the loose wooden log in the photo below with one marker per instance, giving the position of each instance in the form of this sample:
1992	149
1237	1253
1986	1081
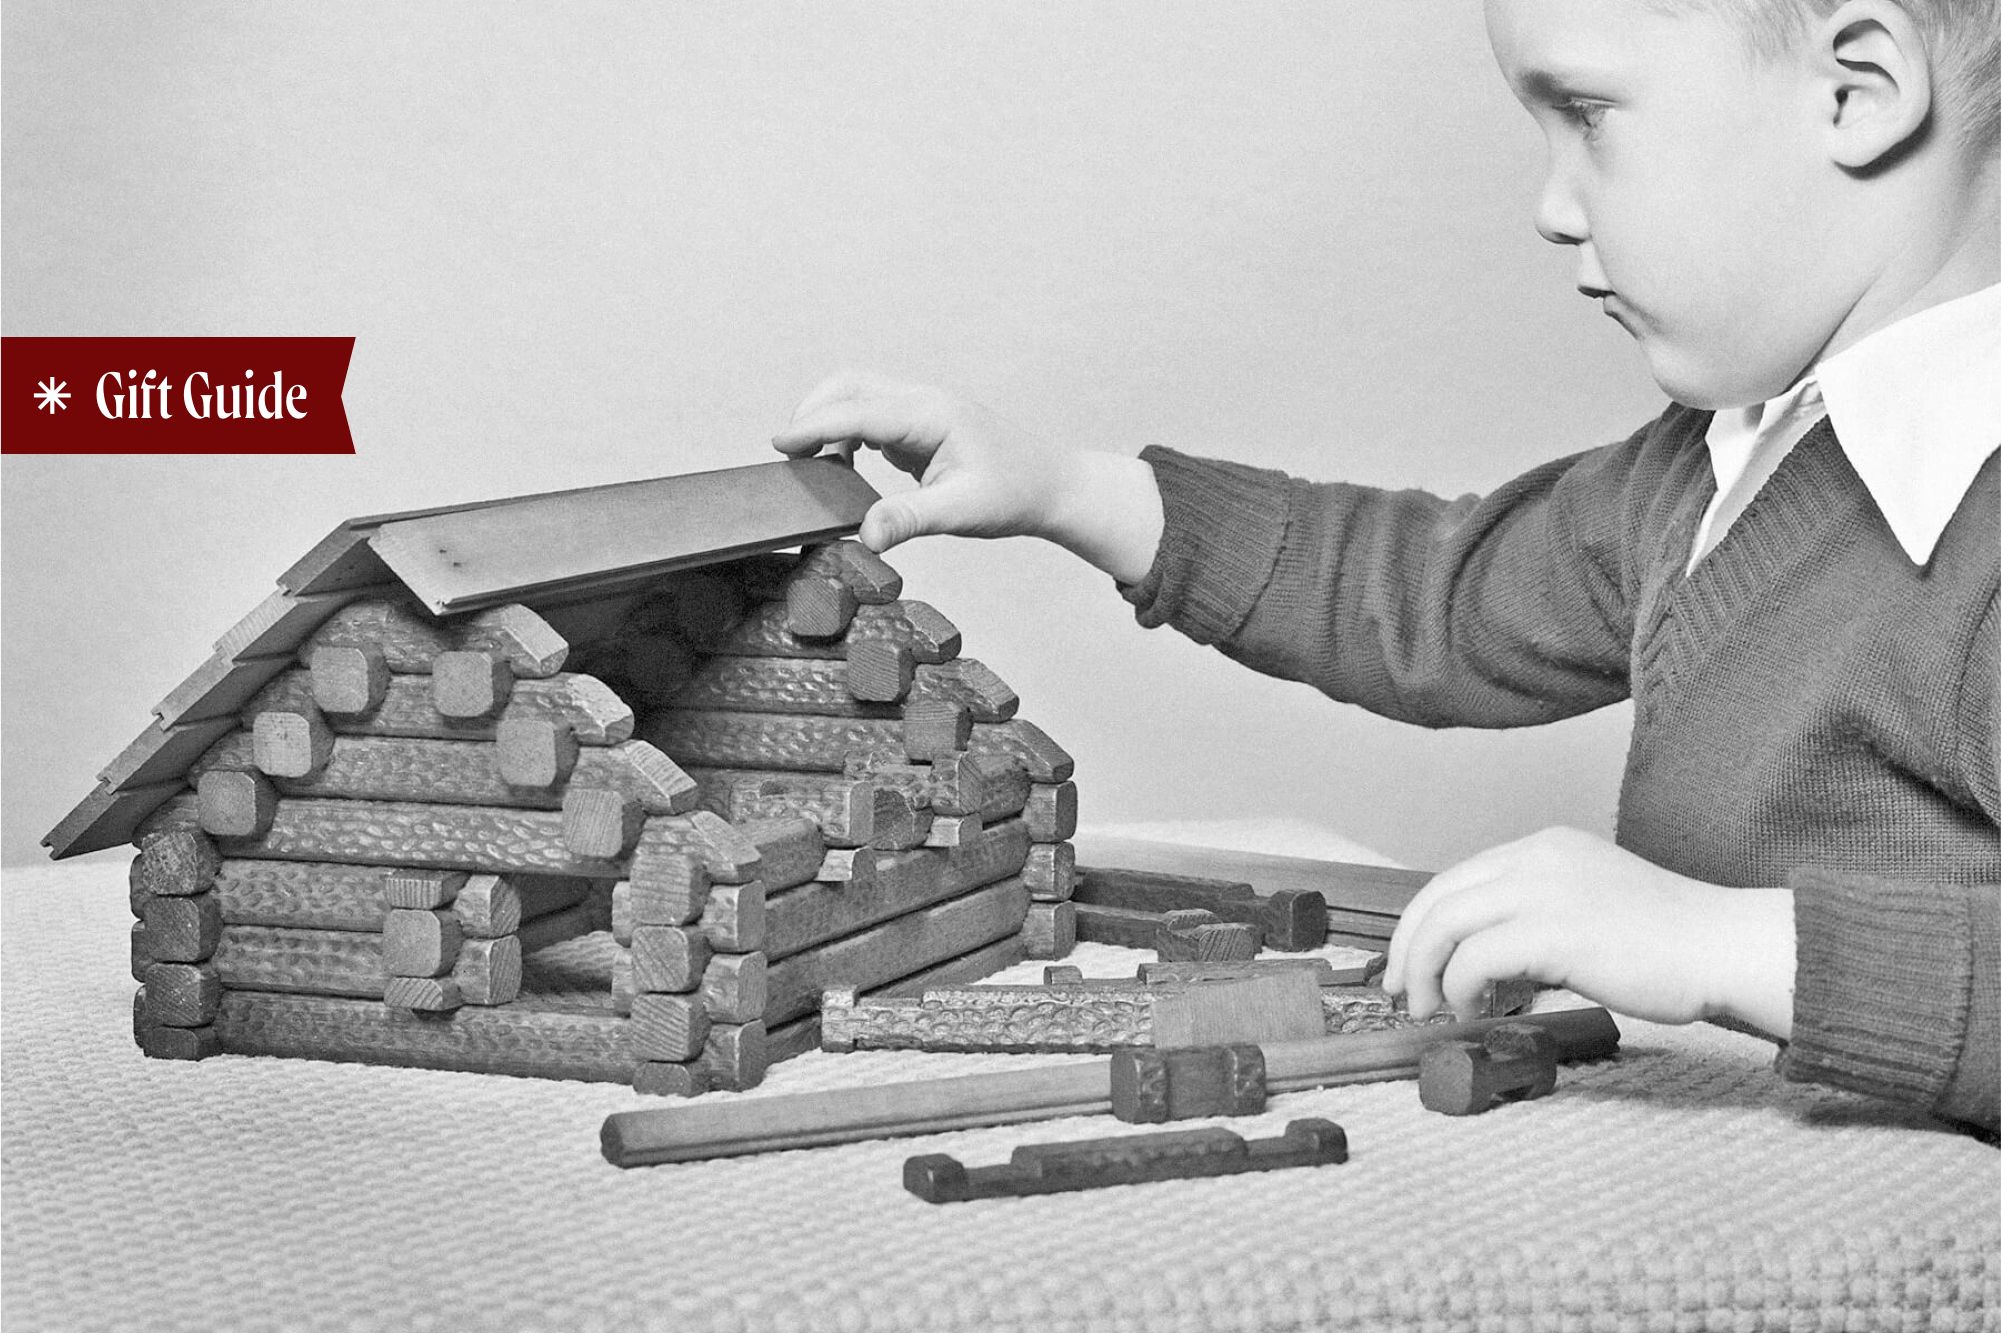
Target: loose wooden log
1150	1085
419	942
1049	931
182	995
668	1027
868	576
328	963
669	958
733	917
1081	1088
896	947
1051	871
1341	885
406	888
734	1056
538	753
488	972
180	863
323	895
592	709
735	987
291	743
410	639
505	1041
763	633
183	929
162	754
803	1035
821	686
880	672
1051	812
348	679
818	608
935	729
1290	919
236	804
426	995
1195	933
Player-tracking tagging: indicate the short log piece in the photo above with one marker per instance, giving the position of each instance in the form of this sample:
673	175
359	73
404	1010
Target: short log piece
822	685
418	942
1051	811
1049	931
411	640
488	972
592	709
175	864
291	743
236	803
348	678
470	684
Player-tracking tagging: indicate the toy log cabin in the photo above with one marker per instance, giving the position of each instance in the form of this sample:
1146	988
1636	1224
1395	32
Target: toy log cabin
607	784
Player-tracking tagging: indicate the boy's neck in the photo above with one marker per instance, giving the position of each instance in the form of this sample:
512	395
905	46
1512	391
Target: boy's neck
1933	259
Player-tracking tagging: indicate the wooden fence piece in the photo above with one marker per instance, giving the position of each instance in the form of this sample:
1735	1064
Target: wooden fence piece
1274	1007
410	640
592	709
291	743
323	895
488	972
1165	1155
178	863
182	995
182	929
348	678
821	686
896	947
504	1041
1043	1092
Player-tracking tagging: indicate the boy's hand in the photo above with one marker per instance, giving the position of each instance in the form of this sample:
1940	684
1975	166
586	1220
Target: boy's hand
981	475
1572	910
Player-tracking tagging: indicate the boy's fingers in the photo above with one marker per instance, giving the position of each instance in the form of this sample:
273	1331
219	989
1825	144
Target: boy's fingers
1435	939
1499	954
842	385
1474	870
878	422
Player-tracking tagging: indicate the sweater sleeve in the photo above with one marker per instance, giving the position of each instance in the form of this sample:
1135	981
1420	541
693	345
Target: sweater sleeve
1898	985
1498	612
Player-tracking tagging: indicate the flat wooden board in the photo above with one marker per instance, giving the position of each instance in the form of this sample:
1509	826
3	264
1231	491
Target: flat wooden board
1350	885
511	550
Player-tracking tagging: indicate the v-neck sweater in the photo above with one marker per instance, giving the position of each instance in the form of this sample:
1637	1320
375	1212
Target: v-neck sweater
1811	708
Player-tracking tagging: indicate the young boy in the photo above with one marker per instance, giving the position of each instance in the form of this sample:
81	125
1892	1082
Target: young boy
1794	207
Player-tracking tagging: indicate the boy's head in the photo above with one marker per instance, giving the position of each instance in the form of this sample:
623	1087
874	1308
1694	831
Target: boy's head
1752	184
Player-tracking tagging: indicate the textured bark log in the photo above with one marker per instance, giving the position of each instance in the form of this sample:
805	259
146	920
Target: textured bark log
410	638
880	672
820	686
470	684
818	608
321	895
182	862
426	995
594	712
182	995
1051	871
489	971
1050	931
720	739
896	948
405	888
505	1041
290	743
734	1056
762	633
477	838
323	963
419	942
868	576
802	1035
182	929
235	803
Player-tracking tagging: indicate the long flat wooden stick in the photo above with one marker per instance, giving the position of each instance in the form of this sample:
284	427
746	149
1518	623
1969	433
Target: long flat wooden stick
1080	1088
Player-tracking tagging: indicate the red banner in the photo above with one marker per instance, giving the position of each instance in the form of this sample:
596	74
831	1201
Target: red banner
174	395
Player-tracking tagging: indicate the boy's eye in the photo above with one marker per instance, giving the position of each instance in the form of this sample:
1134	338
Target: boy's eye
1585	114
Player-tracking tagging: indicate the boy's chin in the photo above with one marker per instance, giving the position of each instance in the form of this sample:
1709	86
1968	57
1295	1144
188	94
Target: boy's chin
1700	383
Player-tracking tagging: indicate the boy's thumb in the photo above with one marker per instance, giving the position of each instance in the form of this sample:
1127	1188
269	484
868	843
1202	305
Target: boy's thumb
887	523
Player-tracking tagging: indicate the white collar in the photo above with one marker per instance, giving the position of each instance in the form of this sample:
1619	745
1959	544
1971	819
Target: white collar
1916	406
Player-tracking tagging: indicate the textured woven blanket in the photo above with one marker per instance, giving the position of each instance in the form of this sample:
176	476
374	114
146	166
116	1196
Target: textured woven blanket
1681	1185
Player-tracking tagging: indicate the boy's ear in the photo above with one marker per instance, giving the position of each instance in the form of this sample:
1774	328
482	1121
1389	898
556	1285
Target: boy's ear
1877	75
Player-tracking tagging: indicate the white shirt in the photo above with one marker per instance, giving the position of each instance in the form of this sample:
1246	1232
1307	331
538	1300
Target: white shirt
1917	408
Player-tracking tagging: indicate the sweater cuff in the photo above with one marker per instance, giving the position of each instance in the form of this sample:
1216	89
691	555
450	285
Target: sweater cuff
1224	525
1881	994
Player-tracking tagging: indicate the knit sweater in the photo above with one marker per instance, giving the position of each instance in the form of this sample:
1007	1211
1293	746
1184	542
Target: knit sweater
1811	709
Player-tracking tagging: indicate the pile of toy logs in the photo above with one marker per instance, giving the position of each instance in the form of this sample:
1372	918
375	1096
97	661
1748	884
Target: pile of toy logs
814	790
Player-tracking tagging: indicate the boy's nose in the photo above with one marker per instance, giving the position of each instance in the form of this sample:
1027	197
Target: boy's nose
1558	217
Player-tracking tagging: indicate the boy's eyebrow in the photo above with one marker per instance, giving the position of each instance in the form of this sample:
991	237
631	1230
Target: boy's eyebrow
1547	85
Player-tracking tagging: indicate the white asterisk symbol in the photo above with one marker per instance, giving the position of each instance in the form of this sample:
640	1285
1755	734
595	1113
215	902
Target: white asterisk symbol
52	395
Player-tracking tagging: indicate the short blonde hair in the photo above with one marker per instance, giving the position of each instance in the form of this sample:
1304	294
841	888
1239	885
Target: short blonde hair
1963	38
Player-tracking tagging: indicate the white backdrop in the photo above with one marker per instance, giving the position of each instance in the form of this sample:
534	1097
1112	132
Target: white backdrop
584	243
